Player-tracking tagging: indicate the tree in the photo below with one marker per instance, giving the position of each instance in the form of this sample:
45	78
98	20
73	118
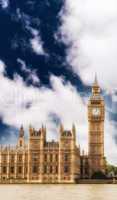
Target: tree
98	175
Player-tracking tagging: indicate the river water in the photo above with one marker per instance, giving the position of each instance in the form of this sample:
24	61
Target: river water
58	192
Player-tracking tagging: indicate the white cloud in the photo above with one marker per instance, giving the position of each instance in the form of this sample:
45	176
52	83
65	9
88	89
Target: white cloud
36	42
31	73
2	67
89	27
4	3
61	101
37	45
33	76
23	66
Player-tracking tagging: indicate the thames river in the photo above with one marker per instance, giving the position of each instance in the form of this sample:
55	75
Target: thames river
58	192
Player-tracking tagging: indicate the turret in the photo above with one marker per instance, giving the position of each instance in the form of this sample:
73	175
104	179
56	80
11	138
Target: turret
61	130
67	161
37	138
31	131
21	140
43	133
74	131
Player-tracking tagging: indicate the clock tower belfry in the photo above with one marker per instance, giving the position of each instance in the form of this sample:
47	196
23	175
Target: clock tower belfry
96	116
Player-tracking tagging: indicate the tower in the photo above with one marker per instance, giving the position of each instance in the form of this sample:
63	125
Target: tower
69	156
96	115
21	141
35	153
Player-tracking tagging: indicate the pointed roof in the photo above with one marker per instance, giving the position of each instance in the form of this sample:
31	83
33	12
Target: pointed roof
95	87
61	128
73	127
21	133
95	80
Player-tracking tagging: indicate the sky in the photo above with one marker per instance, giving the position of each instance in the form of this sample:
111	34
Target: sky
49	53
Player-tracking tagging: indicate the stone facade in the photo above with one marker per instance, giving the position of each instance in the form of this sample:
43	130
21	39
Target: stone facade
40	161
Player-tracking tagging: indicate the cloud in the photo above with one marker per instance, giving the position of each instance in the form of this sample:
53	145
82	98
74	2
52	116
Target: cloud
4	3
27	21
37	45
31	73
89	28
22	104
2	67
35	41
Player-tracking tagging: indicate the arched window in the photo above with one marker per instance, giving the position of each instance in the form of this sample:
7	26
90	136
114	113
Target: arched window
12	170
51	157
66	169
35	169
45	157
51	169
19	169
12	158
45	169
20	158
66	157
4	170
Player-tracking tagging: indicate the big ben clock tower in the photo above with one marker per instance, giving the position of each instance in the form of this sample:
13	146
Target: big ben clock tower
96	115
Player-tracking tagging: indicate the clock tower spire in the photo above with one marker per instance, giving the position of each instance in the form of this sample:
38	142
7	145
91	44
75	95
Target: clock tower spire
96	115
95	88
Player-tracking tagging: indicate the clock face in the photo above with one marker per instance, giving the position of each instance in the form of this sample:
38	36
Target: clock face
96	112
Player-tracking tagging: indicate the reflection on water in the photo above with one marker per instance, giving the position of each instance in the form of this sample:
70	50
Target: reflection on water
58	192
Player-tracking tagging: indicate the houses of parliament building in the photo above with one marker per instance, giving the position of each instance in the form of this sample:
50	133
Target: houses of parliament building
40	161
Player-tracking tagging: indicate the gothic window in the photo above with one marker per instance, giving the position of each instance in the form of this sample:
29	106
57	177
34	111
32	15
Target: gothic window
35	169
51	157
51	169
12	170
66	169
4	169
45	157
66	157
45	169
20	170
4	158
35	157
12	158
20	158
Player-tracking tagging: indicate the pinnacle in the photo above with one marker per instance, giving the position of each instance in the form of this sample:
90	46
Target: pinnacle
96	80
